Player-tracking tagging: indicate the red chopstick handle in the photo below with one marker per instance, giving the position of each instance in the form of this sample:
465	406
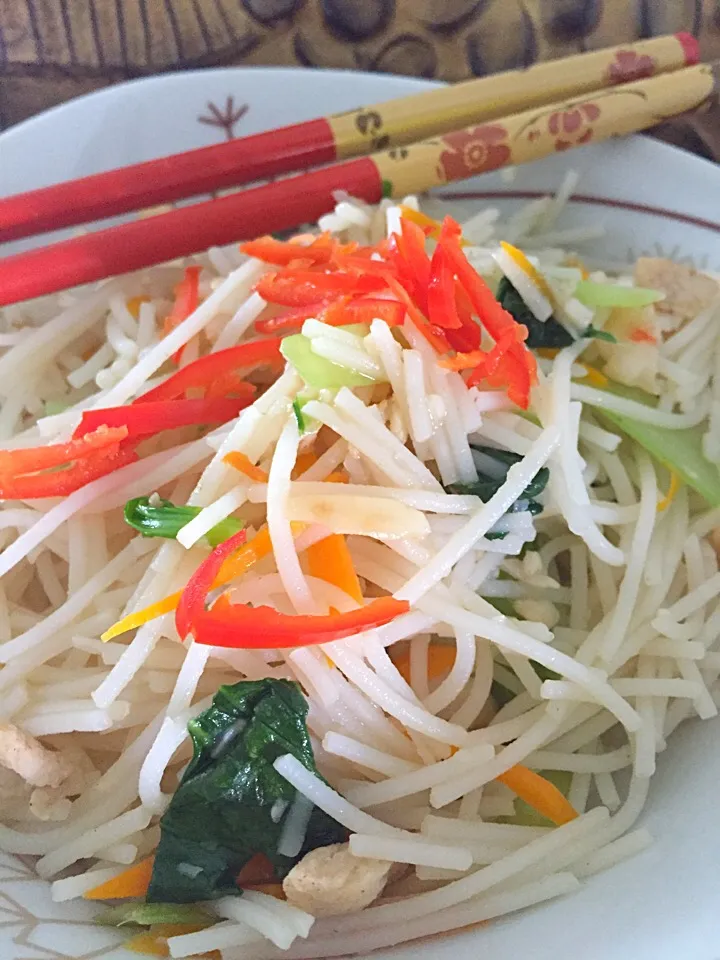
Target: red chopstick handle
187	230
171	178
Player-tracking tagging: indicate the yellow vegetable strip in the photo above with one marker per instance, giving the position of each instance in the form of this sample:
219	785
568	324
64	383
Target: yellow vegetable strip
246	557
672	492
539	794
133	882
593	376
134	304
330	560
423	220
148	944
519	258
155	942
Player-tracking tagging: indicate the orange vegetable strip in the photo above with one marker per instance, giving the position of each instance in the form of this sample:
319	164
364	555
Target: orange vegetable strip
330	560
441	657
271	889
148	944
133	882
539	793
282	253
246	557
336	477
304	462
258	870
641	335
155	942
245	465
463	361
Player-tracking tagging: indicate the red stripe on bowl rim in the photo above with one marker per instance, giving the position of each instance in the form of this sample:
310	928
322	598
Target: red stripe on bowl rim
712	225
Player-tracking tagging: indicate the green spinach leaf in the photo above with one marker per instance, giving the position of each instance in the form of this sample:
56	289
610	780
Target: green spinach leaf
486	486
548	333
164	519
231	803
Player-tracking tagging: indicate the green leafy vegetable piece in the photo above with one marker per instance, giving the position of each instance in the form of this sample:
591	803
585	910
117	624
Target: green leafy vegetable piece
231	803
612	295
318	372
549	333
486	486
545	673
678	450
147	914
500	694
164	519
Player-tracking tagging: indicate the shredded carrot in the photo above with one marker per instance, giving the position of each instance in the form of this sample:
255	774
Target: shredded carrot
148	944
304	462
519	258
336	477
133	882
271	889
257	870
463	361
155	942
641	335
672	492
330	560
593	376
245	465
539	794
441	657
235	566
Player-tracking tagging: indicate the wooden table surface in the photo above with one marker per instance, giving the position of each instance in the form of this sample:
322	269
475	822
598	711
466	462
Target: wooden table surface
52	50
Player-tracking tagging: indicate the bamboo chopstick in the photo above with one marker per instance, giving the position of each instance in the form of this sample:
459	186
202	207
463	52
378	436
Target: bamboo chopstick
515	139
351	134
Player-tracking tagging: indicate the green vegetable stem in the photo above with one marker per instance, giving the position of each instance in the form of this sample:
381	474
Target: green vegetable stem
164	519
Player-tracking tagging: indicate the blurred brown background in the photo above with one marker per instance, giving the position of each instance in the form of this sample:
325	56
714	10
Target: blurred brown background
52	50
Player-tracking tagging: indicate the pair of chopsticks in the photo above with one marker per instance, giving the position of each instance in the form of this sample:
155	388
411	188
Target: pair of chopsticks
472	127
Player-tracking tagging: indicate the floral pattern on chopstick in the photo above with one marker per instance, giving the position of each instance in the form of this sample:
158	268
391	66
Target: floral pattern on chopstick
573	126
628	66
473	151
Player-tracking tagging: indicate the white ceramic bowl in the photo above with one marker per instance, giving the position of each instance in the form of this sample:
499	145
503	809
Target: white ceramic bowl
661	905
